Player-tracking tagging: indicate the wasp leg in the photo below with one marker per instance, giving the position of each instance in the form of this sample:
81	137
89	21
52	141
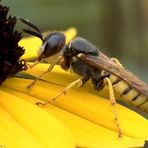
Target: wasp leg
99	83
113	104
84	80
48	70
32	65
116	61
64	91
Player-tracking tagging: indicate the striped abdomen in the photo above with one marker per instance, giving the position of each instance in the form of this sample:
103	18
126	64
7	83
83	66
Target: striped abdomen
129	93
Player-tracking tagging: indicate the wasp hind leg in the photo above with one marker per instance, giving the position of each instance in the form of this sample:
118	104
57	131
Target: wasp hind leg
64	91
48	70
117	62
113	104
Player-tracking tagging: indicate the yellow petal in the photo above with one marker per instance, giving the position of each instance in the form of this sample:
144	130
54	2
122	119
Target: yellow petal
85	104
31	50
87	134
9	126
48	130
70	34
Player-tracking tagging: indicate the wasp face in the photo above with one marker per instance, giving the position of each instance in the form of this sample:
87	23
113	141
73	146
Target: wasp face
52	44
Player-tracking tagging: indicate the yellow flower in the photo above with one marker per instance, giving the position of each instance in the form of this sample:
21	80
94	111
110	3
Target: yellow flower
80	119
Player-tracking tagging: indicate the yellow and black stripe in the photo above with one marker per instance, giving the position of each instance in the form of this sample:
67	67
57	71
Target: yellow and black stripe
129	94
126	85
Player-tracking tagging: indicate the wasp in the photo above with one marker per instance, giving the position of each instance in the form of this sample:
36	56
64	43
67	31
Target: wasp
89	62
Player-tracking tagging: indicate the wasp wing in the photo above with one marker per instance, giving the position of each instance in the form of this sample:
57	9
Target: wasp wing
104	62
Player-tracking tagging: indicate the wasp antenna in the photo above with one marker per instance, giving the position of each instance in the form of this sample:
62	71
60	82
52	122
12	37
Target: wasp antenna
33	33
27	22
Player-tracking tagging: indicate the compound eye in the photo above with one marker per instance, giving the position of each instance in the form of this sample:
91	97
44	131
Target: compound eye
52	42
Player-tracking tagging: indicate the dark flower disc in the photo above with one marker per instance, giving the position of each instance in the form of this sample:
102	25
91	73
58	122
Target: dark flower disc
10	51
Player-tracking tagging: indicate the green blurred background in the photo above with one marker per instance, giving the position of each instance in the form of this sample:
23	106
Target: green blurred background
118	27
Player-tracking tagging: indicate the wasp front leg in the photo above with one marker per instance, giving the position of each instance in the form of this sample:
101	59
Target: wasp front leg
32	65
48	70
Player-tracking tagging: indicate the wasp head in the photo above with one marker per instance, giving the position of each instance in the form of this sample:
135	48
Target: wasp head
52	44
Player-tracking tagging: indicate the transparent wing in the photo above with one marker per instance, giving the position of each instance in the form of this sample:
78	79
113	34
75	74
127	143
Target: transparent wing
104	62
